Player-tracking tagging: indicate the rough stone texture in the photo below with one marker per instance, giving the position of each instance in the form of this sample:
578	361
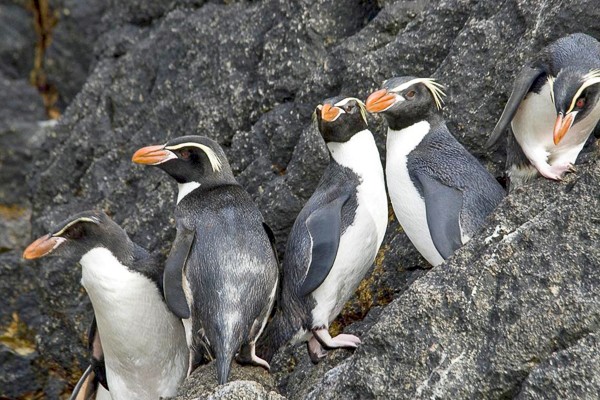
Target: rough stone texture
245	383
515	316
499	317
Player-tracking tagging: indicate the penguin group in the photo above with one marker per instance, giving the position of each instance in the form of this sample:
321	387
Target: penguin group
221	286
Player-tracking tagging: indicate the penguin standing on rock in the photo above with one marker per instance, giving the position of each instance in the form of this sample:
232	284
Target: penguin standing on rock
440	193
221	274
140	342
552	110
336	236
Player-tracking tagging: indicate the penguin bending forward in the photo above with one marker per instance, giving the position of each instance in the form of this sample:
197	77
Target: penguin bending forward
221	274
124	283
336	236
552	110
440	193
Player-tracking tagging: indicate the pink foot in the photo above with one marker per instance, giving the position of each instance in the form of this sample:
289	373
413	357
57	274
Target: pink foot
342	340
556	171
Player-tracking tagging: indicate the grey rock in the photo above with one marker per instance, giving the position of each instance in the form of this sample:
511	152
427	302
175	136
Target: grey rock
498	315
17	40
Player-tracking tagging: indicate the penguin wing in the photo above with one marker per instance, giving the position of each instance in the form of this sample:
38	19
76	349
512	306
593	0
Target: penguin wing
443	205
86	387
271	236
324	226
95	347
522	84
95	374
173	275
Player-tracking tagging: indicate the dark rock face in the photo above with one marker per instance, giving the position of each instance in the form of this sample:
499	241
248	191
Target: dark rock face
514	316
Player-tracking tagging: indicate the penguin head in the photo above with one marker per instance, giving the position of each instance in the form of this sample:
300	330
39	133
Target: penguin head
406	100
188	159
575	94
79	234
340	118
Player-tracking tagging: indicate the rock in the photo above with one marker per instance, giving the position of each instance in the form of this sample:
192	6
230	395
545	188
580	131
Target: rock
249	74
245	383
495	320
17	40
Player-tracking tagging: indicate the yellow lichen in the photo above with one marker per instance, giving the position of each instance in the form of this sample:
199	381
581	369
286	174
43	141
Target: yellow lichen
18	337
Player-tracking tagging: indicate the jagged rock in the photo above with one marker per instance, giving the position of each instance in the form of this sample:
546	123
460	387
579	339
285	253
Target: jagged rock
495	320
244	383
249	75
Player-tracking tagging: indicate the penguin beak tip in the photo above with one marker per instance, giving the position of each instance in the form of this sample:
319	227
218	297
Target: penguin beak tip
41	247
562	126
379	101
151	155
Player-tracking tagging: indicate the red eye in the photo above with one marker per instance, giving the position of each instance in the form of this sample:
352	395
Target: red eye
580	102
410	94
184	154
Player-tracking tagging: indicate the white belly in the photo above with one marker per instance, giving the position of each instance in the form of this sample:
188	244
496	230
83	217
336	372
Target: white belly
360	242
533	126
144	343
408	204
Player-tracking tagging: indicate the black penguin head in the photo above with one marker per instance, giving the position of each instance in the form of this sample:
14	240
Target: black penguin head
575	94
188	159
340	118
406	100
79	234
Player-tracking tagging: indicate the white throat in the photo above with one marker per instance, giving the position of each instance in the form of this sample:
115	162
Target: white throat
359	153
185	189
405	140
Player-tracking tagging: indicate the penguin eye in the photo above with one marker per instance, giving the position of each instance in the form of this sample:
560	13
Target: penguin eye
580	102
410	95
349	108
74	232
185	154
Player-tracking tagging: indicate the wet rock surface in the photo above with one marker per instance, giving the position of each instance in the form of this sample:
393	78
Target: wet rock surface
513	316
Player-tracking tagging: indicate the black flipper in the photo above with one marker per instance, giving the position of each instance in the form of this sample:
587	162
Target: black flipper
95	347
522	84
271	236
86	387
324	226
443	205
172	277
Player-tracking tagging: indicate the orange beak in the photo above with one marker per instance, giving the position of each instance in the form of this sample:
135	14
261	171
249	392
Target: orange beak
152	155
42	246
562	126
380	101
329	113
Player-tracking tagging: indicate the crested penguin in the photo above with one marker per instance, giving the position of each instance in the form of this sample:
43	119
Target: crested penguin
440	193
222	272
335	237
124	283
552	110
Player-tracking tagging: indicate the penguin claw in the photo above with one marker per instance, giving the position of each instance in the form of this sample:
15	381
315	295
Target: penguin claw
248	357
341	340
315	350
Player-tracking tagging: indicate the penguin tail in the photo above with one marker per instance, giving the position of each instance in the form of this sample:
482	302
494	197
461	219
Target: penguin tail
227	342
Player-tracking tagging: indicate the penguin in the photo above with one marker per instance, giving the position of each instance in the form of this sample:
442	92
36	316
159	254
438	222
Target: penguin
222	273
336	236
440	193
552	110
141	342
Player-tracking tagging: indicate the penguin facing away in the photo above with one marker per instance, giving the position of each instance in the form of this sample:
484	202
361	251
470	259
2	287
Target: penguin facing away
222	272
124	284
440	193
552	110
335	237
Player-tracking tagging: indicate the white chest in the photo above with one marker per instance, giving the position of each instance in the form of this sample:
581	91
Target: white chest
408	204
533	126
361	240
144	344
